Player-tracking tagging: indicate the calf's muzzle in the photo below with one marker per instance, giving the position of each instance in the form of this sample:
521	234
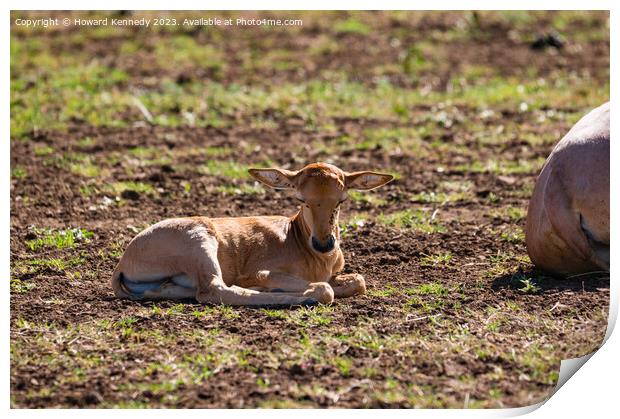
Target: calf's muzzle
326	246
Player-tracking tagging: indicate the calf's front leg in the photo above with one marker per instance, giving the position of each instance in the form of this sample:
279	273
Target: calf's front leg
348	285
287	284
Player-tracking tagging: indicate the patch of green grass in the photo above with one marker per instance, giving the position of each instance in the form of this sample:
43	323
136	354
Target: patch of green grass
414	61
187	187
525	192
352	25
150	156
86	142
80	164
185	51
140	187
86	169
18	173
312	316
43	150
494	325
540	363
514	214
20	287
438	259
125	322
323	45
395	392
59	239
228	312
427	305
126	328
280	65
412	219
262	383
206	312
495	320
504	264
369	372
175	310
368	340
399	139
31	266
431	288
527	284
435	197
143	152
343	364
516	18
88	190
367	198
160	388
504	167
493	198
274	314
457	190
155	368
386	291
513	235
553	377
218	151
539	138
317	102
114	251
228	169
23	324
65	91
242	189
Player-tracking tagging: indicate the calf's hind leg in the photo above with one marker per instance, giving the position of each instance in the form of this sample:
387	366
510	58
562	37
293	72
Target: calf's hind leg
155	290
182	263
148	281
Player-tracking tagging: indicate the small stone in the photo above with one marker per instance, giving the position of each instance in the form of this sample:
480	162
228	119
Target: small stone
297	369
129	194
551	40
507	180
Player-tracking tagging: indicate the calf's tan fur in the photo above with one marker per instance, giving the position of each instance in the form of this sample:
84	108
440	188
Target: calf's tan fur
567	229
269	260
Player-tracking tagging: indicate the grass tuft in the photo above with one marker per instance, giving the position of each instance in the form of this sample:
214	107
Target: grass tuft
228	169
412	219
59	239
438	259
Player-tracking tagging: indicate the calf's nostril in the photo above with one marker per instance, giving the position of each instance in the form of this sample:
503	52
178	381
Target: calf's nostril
323	247
330	242
315	243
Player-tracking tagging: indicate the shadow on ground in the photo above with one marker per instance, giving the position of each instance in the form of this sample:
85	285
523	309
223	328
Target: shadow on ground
588	282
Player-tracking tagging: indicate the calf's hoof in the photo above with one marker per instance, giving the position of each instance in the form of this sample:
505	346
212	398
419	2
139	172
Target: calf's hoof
321	292
355	283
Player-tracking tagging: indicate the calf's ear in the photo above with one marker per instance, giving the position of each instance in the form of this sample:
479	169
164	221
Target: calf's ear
274	178
366	180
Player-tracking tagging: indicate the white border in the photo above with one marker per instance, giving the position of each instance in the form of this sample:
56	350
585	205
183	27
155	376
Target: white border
593	390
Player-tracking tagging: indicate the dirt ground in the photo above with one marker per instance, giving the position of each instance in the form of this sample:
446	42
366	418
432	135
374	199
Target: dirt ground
455	314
